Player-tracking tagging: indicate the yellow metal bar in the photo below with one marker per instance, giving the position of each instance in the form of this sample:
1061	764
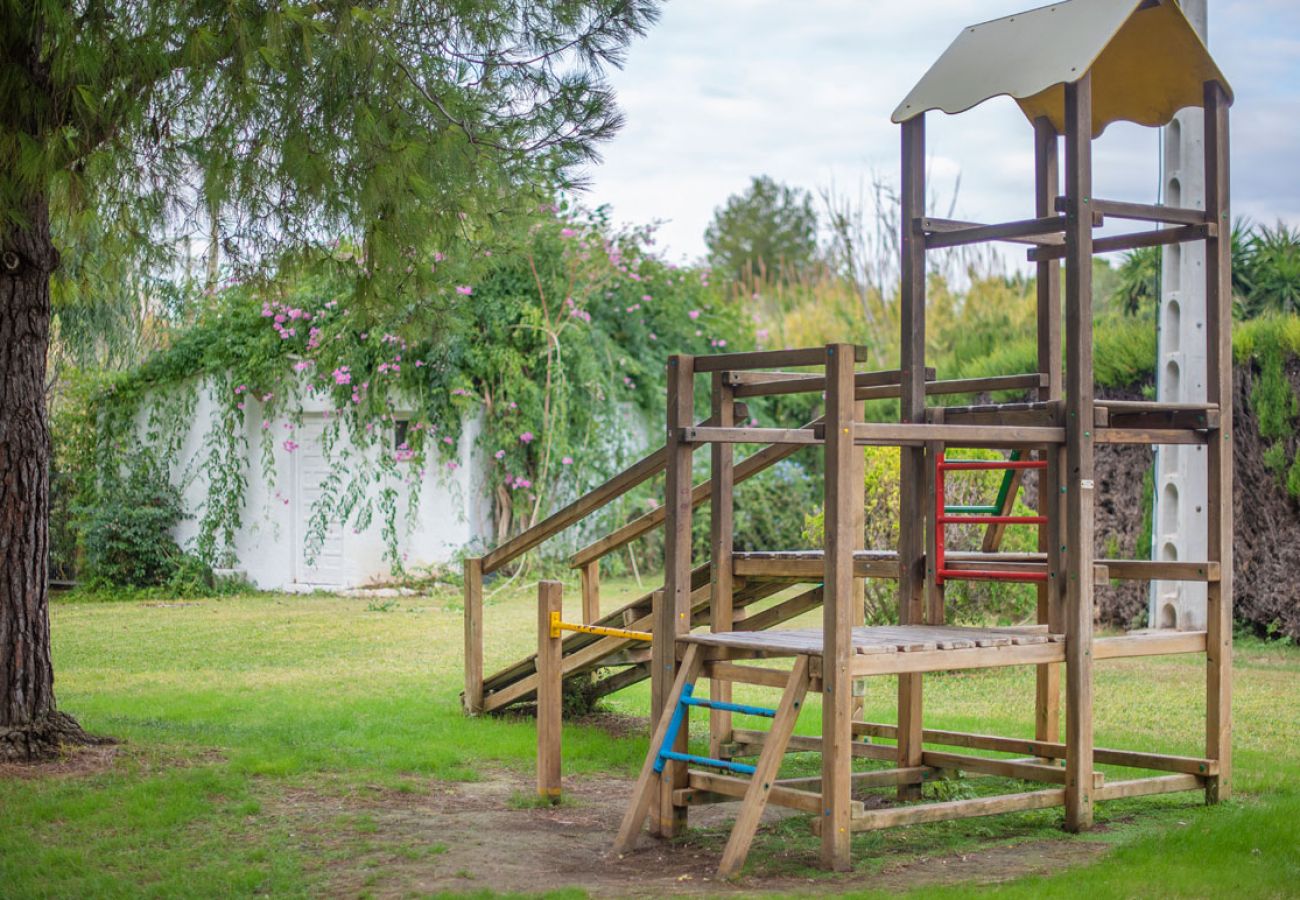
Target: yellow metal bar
557	626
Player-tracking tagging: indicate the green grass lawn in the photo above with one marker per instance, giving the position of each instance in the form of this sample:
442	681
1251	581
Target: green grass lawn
229	709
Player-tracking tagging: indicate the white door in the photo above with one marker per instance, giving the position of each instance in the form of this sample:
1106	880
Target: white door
311	469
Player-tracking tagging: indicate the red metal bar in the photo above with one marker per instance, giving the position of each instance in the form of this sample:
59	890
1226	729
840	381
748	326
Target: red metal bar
938	518
942	572
992	575
992	520
975	465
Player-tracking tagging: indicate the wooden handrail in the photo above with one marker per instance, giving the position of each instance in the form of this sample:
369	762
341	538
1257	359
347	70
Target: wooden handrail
642	470
620	537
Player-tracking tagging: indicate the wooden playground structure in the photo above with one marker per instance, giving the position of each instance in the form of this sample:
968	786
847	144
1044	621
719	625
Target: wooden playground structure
709	621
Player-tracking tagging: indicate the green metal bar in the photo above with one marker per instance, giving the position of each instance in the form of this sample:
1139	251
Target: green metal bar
1003	490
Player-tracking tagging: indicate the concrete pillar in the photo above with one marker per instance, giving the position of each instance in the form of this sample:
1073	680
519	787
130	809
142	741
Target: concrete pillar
1179	522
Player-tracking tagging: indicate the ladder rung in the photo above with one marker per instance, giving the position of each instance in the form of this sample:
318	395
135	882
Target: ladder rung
707	761
729	707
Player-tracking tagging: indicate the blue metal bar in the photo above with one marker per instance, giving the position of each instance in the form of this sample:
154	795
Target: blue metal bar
674	726
707	761
730	707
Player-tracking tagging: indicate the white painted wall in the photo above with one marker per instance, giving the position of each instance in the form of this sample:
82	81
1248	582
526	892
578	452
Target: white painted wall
453	509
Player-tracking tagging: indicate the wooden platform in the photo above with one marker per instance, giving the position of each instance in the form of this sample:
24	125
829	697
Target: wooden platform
898	649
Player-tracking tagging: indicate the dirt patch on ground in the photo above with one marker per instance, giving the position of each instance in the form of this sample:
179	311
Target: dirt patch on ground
74	762
483	837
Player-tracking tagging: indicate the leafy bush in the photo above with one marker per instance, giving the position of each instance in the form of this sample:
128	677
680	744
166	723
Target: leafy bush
127	534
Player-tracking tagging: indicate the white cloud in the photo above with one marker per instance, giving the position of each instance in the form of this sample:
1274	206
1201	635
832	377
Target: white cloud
726	89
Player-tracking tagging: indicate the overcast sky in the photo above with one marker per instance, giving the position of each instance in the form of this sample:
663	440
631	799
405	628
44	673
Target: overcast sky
722	90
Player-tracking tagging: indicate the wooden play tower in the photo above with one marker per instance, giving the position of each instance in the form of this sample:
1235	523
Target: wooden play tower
1073	68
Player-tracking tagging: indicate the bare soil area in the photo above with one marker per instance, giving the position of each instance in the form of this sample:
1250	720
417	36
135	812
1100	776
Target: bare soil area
483	837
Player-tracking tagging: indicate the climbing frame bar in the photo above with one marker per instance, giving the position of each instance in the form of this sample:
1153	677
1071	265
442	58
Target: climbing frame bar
1079	454
672	615
1219	390
841	497
912	575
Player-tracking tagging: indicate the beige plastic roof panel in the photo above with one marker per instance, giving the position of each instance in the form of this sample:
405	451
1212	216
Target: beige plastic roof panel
1147	63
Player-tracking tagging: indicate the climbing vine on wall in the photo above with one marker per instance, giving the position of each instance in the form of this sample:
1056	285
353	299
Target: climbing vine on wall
552	335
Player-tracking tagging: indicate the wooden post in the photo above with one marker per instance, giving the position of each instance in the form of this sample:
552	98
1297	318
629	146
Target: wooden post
1047	706
1079	454
550	690
839	540
858	478
721	524
935	612
672	614
473	700
589	575
912	515
1219	389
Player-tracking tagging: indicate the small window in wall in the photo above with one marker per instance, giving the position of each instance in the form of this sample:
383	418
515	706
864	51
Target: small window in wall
401	434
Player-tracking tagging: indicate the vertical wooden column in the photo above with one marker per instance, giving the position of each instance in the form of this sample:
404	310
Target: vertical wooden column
1079	454
935	611
721	521
550	691
672	612
473	700
1047	706
1219	389
590	577
912	513
842	494
858	477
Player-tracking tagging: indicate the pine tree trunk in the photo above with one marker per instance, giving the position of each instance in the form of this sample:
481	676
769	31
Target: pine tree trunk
30	726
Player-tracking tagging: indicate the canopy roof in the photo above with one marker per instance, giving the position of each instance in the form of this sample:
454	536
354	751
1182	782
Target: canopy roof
1147	63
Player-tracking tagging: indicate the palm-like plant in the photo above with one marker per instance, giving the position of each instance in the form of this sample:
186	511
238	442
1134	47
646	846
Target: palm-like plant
1268	273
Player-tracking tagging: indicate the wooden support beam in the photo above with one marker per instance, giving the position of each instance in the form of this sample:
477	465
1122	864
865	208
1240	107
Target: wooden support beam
1142	212
1156	643
874	819
1145	787
978	234
1047	749
935	228
673	615
870	779
1050	599
767	384
590	577
841	496
1134	241
1150	436
918	662
473	699
771	359
734	435
1078	480
1219	390
912	513
956	435
729	787
1025	770
550	691
749	742
721	523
